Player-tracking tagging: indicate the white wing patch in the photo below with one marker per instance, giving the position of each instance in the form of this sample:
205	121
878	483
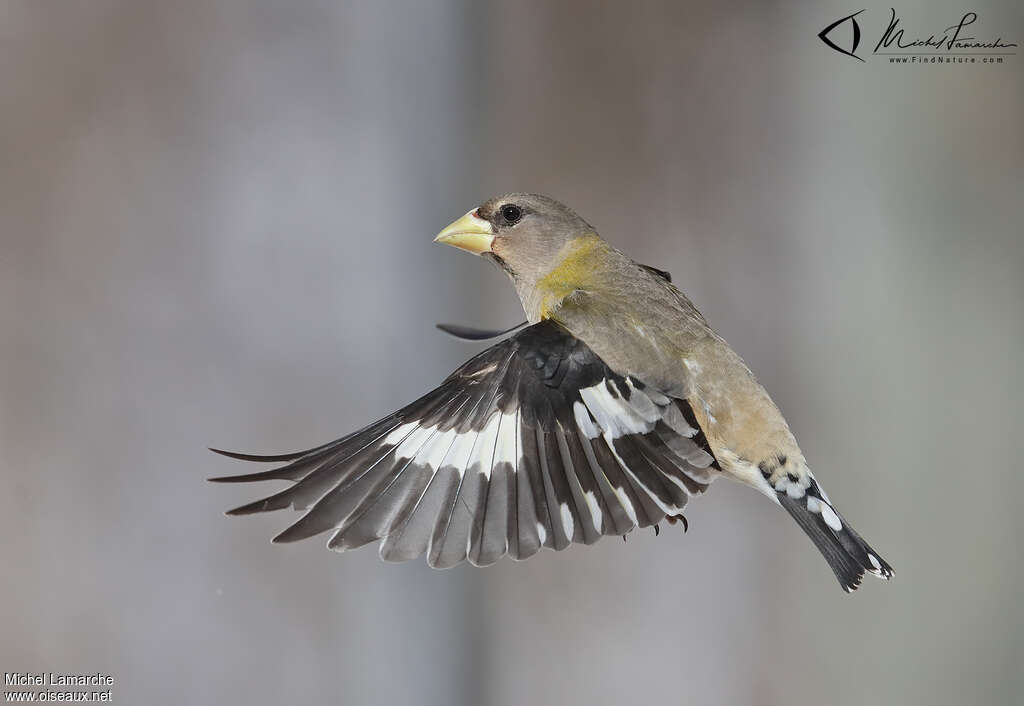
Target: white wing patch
399	433
438	449
411	446
567	523
615	416
618	416
485	450
595	510
508	431
584	422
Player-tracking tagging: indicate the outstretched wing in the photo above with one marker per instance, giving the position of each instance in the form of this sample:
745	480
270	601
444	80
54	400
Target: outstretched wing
533	443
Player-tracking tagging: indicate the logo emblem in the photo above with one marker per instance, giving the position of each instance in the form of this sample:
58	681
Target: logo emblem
852	51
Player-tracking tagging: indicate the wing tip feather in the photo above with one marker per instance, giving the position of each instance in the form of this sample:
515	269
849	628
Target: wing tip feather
272	458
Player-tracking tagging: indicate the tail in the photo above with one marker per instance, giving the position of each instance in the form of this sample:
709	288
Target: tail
843	549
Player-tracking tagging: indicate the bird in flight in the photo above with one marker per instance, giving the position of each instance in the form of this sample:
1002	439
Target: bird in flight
614	406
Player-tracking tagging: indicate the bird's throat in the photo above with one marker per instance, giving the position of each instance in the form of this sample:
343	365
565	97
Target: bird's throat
579	265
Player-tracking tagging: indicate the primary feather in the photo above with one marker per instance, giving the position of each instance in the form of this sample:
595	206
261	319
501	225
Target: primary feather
533	443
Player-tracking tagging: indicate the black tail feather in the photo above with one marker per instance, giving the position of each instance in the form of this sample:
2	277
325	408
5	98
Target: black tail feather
843	549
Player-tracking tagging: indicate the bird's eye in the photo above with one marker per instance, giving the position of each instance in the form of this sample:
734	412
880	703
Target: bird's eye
511	214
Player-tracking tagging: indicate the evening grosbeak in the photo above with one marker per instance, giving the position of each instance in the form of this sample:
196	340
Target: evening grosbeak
609	411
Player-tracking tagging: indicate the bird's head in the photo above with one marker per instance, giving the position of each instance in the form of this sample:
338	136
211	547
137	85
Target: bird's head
526	234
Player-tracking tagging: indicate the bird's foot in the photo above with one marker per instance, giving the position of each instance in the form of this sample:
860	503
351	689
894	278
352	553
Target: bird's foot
672	519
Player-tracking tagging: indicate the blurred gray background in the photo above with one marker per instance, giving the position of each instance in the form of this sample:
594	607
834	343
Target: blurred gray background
215	230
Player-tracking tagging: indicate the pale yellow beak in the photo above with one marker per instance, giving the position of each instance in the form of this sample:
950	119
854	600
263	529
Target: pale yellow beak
470	233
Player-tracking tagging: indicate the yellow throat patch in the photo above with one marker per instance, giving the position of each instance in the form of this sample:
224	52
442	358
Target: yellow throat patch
581	260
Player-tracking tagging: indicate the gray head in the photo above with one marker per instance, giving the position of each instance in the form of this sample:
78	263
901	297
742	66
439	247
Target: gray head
523	233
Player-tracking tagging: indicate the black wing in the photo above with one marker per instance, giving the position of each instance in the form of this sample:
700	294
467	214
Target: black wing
469	333
533	443
667	276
